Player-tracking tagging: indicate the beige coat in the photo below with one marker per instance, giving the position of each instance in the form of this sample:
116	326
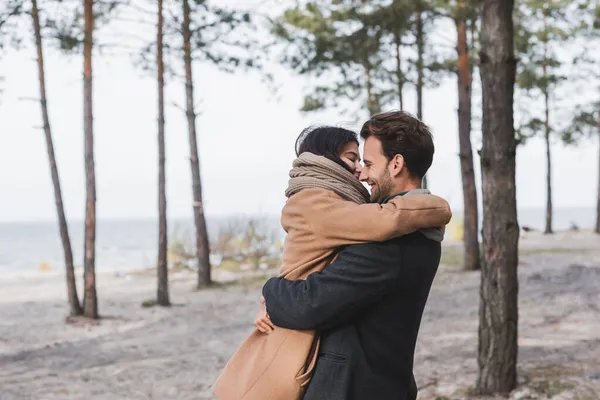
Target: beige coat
277	366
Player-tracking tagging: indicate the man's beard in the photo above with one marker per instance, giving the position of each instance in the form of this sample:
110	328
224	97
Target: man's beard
383	188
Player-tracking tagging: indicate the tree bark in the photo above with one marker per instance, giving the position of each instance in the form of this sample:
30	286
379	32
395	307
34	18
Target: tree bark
162	291
399	74
90	304
498	311
373	105
548	228
369	91
202	244
74	305
546	93
420	67
465	79
420	64
597	230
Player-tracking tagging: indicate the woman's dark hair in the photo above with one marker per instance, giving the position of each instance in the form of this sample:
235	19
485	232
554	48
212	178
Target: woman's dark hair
326	141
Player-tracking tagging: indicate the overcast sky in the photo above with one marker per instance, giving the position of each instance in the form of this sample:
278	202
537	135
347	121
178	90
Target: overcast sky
246	137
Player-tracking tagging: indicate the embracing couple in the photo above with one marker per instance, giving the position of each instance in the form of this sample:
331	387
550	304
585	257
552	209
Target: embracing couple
341	320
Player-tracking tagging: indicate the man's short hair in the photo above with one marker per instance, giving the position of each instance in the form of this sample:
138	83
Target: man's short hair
404	134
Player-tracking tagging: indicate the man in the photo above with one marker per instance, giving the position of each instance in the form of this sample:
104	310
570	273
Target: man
367	305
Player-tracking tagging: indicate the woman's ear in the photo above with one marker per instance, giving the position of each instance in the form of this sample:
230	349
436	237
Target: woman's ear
396	165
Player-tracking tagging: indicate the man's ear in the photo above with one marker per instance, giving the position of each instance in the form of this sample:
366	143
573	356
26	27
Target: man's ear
396	165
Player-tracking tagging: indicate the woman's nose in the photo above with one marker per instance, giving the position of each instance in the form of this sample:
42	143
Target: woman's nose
357	169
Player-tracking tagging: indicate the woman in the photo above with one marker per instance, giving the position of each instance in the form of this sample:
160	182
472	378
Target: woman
327	208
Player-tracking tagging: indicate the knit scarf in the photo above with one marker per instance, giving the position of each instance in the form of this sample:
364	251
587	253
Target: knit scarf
312	171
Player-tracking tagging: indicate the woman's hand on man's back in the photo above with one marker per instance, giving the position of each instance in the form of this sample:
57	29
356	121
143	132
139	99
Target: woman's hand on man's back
263	322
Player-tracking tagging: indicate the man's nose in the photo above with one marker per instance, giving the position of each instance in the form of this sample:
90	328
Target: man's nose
363	175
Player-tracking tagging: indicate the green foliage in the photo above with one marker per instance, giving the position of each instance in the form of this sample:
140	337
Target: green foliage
10	13
62	21
312	103
585	121
220	36
459	12
181	253
332	40
585	124
542	28
319	38
149	303
551	388
349	48
529	129
252	242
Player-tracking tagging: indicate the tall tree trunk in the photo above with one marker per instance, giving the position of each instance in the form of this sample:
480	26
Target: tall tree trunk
369	91
74	305
399	74
473	28
598	196
162	292
420	69
202	246
548	228
369	87
420	64
90	303
498	310
465	79
373	105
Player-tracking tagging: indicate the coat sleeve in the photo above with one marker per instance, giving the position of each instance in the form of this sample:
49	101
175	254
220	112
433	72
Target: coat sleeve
358	278
338	222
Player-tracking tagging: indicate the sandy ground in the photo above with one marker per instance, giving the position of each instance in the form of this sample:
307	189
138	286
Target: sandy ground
156	353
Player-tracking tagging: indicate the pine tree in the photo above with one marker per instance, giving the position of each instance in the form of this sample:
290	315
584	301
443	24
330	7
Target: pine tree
335	44
162	290
542	29
498	309
74	304
464	15
585	123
